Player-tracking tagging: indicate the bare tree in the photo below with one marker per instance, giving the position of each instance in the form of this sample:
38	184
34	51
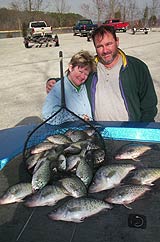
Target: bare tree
16	5
99	7
129	11
113	6
155	7
61	6
95	9
86	10
28	5
124	9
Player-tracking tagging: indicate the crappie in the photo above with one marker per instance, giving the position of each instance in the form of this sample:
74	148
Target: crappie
84	172
46	145
71	161
97	156
77	135
132	151
62	163
90	131
16	193
126	194
53	154
73	186
145	176
41	174
77	209
76	147
59	139
47	196
109	176
33	159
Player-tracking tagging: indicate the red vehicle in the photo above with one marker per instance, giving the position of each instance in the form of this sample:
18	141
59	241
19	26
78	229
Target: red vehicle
117	24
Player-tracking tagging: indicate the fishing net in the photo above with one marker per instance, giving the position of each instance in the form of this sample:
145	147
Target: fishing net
64	119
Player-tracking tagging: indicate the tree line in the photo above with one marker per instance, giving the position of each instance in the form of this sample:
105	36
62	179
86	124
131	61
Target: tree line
11	19
22	12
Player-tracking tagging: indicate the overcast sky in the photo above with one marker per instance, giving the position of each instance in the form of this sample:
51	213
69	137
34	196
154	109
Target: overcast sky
76	4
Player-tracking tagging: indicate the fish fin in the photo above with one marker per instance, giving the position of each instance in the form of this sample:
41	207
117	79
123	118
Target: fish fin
155	147
151	184
65	191
78	220
135	159
140	164
127	206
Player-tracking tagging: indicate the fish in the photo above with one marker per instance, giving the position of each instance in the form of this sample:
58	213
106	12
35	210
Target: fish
47	196
61	163
32	160
41	174
77	209
76	147
84	171
96	156
77	135
132	151
74	186
54	153
90	131
126	194
109	176
46	145
145	176
72	161
16	193
59	139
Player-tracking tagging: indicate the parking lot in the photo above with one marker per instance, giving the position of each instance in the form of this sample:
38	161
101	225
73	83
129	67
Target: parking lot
23	72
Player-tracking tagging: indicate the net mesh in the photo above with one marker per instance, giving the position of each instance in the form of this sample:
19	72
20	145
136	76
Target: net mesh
63	120
72	122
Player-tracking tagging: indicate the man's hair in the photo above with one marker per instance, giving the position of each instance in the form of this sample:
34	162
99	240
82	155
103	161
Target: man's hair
101	30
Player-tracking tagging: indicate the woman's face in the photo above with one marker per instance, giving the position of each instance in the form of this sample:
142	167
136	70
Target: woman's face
78	75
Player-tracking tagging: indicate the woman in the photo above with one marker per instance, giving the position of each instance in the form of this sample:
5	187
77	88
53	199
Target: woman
79	68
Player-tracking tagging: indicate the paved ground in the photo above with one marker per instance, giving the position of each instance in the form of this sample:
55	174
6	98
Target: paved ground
23	72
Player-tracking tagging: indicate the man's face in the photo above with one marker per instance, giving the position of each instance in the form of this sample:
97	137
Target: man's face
106	48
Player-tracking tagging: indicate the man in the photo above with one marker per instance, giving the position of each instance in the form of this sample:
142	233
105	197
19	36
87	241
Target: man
122	88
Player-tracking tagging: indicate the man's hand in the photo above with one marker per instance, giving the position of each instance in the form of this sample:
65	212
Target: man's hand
85	117
50	83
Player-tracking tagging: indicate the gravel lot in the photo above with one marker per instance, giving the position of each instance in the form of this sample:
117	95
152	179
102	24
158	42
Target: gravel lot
23	72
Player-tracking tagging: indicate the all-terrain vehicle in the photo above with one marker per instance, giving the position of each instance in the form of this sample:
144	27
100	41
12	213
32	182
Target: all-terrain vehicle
38	34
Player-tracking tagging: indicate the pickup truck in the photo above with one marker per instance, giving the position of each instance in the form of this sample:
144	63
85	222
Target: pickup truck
38	34
117	24
84	27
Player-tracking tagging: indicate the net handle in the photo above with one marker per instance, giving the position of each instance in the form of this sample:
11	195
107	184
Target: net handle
63	101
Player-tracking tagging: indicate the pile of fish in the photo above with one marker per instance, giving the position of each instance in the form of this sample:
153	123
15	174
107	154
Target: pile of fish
73	166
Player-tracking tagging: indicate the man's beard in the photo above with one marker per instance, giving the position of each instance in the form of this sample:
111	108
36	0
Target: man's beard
108	62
